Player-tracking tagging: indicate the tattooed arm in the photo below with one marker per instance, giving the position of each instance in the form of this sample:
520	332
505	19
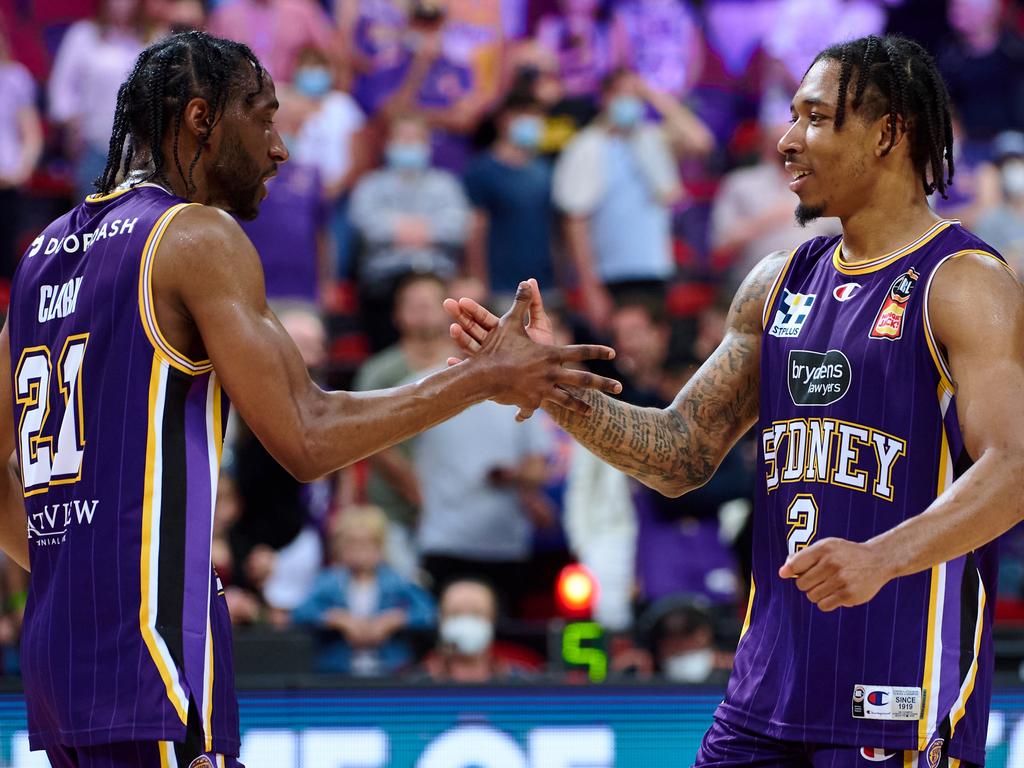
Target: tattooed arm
675	449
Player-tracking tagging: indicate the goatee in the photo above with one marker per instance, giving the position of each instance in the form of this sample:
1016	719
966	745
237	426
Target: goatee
807	213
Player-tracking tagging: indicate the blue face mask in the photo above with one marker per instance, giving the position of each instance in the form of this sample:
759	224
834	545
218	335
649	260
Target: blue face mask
626	111
408	157
313	82
525	132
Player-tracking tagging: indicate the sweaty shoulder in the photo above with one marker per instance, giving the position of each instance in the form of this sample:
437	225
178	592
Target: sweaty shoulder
746	315
204	260
971	278
204	243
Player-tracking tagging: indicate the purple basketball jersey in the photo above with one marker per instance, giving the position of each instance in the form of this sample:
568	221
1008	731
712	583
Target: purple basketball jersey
119	439
858	432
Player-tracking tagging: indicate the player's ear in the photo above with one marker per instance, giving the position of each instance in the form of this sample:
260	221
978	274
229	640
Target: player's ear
197	119
890	134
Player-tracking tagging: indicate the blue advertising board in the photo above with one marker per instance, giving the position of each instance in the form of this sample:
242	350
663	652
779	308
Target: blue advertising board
489	727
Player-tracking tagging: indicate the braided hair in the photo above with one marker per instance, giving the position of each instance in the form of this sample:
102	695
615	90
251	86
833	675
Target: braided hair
166	76
895	76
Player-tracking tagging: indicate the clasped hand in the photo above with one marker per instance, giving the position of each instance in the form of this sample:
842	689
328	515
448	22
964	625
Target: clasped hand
529	369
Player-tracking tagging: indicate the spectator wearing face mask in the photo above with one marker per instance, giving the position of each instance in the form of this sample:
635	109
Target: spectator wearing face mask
275	30
466	651
360	605
325	128
1003	226
410	217
510	191
679	633
617	182
328	122
416	65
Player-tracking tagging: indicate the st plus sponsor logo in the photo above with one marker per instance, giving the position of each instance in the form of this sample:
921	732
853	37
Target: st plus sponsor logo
792	314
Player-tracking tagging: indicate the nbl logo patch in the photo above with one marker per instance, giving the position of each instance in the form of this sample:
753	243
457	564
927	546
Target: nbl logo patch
201	762
791	314
889	320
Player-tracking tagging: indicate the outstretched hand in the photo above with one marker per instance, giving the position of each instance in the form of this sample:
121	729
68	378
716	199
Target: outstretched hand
533	366
473	322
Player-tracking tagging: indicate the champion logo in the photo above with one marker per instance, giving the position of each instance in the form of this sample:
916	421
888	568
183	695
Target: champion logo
878	698
875	755
845	291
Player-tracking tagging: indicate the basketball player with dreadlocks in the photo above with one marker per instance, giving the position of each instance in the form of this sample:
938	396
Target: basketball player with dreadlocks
884	370
132	318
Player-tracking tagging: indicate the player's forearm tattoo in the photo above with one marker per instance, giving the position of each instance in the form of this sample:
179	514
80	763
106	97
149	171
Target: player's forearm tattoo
678	448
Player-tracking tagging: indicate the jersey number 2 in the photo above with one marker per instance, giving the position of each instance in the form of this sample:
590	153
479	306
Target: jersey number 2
41	465
802	519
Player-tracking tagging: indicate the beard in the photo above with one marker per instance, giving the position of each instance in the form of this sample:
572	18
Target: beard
807	213
238	179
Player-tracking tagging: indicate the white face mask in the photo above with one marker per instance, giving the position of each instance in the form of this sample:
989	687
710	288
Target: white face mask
468	634
691	667
1013	178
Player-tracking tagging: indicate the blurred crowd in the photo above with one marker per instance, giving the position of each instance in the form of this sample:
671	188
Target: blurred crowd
623	152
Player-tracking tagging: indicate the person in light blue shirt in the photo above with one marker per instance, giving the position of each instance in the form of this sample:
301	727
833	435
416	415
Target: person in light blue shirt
617	182
360	605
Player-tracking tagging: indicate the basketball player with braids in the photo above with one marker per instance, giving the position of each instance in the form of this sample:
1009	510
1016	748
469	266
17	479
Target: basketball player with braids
884	371
132	319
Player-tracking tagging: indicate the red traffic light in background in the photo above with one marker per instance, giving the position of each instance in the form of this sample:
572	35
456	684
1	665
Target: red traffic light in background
576	591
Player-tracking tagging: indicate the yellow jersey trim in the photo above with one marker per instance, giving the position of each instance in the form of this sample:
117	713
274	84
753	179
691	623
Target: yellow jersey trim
934	637
863	268
147	306
773	292
98	198
155	645
208	713
924	732
945	375
750	608
960	708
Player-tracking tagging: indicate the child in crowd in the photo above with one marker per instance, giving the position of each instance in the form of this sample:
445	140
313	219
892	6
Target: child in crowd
361	604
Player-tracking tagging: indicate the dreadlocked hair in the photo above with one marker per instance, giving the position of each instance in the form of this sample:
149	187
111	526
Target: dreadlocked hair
895	76
166	76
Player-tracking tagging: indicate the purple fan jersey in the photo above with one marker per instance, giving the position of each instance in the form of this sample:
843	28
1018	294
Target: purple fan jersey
119	439
858	432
